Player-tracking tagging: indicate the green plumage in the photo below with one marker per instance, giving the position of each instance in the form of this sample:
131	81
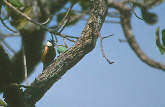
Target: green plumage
16	3
61	49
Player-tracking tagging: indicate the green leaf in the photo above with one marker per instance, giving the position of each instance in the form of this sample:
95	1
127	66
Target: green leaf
149	17
2	103
61	49
163	37
16	3
23	21
159	45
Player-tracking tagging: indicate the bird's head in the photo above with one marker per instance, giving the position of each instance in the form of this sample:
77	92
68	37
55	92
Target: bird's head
49	43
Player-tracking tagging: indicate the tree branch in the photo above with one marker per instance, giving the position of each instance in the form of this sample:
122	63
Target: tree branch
126	25
6	26
72	56
149	4
33	40
127	29
24	15
56	31
102	50
7	46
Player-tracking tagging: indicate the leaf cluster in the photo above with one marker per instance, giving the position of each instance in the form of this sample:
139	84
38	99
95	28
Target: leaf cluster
161	46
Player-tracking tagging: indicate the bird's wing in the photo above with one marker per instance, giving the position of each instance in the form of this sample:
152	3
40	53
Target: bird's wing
43	58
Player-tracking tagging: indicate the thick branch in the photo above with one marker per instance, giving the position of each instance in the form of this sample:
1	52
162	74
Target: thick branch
126	25
149	4
72	56
121	6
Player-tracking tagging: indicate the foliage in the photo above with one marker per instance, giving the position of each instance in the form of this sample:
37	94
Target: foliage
16	3
149	17
32	39
2	103
20	22
61	49
160	46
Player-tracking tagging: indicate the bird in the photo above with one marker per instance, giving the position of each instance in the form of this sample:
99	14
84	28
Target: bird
49	53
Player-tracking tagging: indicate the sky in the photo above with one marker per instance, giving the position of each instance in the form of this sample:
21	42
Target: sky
94	83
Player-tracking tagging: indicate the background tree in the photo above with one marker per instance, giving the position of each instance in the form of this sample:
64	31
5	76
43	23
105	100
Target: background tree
31	18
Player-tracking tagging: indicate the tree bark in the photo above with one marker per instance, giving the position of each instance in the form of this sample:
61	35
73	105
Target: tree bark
72	56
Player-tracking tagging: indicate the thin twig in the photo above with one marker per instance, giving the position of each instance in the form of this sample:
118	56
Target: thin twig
107	36
55	37
137	15
7	46
24	15
112	21
51	30
4	35
142	4
127	29
114	14
66	19
47	21
102	50
62	24
6	26
121	40
25	66
133	10
66	46
67	37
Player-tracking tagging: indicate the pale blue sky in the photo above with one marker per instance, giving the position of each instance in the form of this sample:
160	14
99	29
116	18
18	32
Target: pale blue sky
126	83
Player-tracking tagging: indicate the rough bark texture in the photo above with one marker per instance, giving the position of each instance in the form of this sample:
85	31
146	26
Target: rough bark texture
32	39
64	62
33	36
